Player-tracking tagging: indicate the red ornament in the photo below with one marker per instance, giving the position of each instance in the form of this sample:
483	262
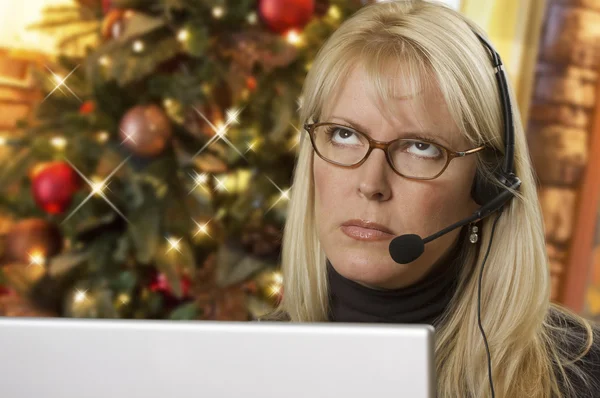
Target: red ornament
87	107
161	285
283	15
53	185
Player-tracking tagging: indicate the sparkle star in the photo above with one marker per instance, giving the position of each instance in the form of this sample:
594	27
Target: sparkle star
220	131
80	295
221	185
97	189
61	83
297	138
199	181
173	244
128	137
202	228
284	194
36	258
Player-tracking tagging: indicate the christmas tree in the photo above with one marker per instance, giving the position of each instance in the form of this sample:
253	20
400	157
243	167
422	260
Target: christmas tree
153	180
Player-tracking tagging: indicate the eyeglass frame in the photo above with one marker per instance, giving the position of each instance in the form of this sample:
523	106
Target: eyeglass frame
385	145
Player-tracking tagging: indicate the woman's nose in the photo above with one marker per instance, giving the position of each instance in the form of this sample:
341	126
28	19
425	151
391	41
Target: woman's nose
374	176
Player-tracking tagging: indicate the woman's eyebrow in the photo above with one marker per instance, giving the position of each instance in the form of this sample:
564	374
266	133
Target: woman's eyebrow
409	134
353	123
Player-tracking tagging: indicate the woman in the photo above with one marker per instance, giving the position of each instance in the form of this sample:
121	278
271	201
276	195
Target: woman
416	71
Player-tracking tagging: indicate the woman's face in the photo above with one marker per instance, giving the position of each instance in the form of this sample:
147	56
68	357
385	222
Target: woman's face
374	192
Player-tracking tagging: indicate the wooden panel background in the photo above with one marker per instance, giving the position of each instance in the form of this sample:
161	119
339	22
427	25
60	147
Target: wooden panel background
562	125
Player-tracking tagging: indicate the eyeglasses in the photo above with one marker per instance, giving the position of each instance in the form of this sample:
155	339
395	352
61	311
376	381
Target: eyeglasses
413	158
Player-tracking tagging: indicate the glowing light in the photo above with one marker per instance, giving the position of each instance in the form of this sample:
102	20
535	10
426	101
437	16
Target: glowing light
232	116
174	244
128	137
278	277
220	131
202	228
138	46
97	189
183	35
334	12
218	12
168	102
61	83
104	60
293	37
284	194
80	296
297	137
37	258
98	186
275	289
252	144
252	18
124	298
103	136
221	184
58	142
2	141
199	180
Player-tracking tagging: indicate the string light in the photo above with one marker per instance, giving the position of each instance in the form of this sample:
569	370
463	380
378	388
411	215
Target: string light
80	296
98	185
334	12
252	144
218	12
278	277
138	46
221	184
293	37
103	137
2	141
221	128
168	102
104	60
59	142
183	35
252	18
173	243
202	228
124	298
37	258
232	116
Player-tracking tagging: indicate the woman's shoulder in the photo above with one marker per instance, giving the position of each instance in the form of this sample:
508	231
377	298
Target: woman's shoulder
275	316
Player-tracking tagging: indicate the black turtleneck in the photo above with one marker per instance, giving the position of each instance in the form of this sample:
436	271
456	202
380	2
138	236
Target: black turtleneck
421	302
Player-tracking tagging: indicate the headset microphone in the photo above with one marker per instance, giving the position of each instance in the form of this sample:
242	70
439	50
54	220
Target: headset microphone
407	248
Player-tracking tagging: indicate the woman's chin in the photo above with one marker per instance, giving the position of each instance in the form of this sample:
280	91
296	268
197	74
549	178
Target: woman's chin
371	273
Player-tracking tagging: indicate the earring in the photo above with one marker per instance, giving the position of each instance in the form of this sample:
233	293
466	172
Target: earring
473	238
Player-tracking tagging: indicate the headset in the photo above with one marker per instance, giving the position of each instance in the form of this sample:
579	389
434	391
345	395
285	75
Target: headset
487	194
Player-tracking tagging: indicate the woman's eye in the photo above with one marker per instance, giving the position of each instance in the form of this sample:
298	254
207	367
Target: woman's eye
424	149
342	136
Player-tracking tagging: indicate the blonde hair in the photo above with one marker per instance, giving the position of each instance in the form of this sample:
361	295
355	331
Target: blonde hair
529	347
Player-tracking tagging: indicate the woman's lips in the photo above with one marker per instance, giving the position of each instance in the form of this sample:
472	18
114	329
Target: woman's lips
367	234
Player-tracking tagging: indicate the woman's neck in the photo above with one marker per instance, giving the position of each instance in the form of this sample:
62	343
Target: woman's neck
422	302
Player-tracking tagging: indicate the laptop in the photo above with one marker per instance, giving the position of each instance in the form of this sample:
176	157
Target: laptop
99	358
